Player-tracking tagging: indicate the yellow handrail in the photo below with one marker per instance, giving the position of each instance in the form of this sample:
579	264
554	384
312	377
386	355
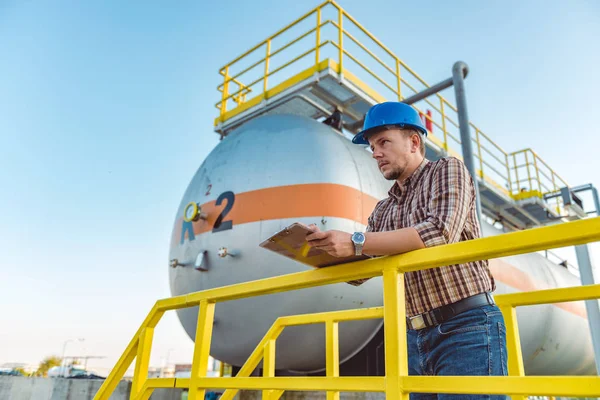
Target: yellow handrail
279	32
396	381
500	159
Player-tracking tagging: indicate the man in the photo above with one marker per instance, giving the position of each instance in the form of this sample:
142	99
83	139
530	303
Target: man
335	119
454	327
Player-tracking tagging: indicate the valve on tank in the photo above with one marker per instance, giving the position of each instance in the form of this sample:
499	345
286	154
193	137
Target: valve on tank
223	252
193	212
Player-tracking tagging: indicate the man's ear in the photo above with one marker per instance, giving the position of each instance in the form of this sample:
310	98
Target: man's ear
415	144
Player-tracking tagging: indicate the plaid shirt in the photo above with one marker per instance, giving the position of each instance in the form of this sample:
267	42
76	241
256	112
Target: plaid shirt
438	200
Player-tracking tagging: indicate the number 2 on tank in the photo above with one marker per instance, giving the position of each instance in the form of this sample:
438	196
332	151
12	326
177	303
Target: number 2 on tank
220	223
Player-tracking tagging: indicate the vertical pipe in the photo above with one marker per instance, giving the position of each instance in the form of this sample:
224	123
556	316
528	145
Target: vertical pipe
267	69
584	261
459	72
318	48
394	317
332	355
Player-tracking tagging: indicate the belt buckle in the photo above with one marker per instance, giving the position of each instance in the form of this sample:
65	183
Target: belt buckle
417	322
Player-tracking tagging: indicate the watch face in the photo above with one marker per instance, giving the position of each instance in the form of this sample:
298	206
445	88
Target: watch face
358	237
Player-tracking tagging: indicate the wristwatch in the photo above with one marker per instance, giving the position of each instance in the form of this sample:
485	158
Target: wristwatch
358	238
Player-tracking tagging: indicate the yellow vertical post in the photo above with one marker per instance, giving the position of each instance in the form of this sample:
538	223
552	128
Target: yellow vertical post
558	199
537	174
528	171
479	152
341	39
268	366
508	175
517	172
443	111
225	93
140	374
318	47
399	79
206	313
513	344
332	349
394	314
267	68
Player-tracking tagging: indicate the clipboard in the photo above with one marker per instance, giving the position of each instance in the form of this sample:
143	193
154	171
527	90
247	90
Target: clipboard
291	242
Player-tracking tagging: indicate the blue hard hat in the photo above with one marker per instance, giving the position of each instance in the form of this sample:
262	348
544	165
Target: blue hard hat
389	113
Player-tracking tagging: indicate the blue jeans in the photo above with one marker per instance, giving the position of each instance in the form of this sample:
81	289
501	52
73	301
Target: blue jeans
471	343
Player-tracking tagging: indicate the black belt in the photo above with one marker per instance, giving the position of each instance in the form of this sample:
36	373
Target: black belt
444	313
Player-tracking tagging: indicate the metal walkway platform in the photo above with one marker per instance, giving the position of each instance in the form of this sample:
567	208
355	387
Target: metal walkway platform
314	97
513	186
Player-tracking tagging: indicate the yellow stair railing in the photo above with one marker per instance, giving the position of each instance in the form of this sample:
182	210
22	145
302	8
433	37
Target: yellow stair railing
307	46
396	383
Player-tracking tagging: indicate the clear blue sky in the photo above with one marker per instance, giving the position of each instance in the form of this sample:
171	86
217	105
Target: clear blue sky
106	112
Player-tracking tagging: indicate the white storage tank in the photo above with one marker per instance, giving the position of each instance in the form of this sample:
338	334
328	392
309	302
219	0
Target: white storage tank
279	169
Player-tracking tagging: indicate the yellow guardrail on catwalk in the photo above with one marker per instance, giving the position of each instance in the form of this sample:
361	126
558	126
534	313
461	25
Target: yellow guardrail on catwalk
396	383
328	37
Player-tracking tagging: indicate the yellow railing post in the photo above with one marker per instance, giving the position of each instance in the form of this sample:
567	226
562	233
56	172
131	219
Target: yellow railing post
528	171
394	313
341	39
558	199
513	343
333	355
479	152
206	313
537	173
225	93
517	173
510	190
267	69
142	361
399	79
443	112
268	366
318	34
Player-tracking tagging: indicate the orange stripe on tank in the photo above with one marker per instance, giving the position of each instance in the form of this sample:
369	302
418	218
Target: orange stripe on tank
293	201
523	282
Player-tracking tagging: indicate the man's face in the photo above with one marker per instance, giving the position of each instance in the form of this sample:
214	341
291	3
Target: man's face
392	149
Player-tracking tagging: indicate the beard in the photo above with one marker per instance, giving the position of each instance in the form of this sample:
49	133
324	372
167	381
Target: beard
393	173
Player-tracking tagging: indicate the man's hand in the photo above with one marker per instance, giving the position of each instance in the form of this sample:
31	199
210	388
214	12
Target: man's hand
336	243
